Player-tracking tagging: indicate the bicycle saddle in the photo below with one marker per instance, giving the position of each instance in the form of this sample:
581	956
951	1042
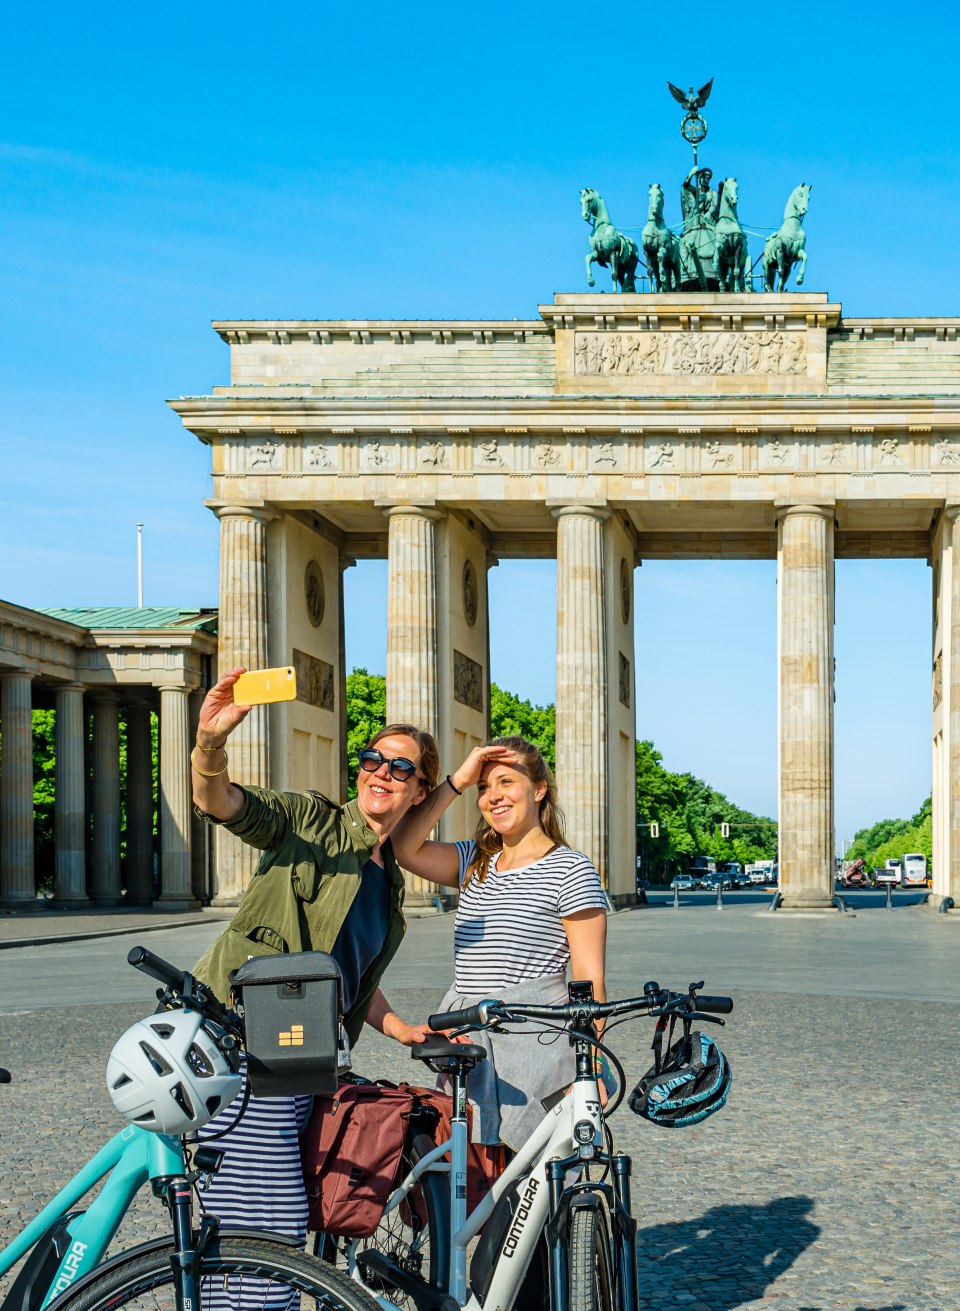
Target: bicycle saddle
443	1049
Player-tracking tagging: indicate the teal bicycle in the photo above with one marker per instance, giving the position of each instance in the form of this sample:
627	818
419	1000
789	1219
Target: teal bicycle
169	1075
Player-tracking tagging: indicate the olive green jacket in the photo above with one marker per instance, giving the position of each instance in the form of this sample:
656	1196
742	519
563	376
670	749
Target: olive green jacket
313	855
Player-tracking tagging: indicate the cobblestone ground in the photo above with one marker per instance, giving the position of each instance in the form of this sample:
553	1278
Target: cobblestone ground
829	1181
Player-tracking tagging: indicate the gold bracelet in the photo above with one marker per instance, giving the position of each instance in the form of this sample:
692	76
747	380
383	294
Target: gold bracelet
206	773
208	751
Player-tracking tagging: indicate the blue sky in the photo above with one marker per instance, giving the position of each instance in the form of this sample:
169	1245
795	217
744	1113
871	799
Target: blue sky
166	165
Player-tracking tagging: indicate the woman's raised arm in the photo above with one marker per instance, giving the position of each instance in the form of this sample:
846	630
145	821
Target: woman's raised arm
438	861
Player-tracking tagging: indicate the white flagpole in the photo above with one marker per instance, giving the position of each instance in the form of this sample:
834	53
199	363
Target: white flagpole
140	566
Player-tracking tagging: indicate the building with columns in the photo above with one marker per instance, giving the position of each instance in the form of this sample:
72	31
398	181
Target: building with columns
97	669
608	430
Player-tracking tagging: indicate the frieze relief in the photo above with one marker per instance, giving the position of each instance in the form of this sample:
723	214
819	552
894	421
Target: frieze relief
690	353
467	681
315	683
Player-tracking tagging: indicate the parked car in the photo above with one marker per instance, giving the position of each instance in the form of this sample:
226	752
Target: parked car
683	883
890	874
732	870
714	881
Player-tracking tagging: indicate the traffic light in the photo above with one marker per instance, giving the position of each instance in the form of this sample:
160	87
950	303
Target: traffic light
724	830
654	829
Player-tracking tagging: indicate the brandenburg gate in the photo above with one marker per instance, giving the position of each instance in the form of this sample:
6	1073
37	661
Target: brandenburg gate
609	429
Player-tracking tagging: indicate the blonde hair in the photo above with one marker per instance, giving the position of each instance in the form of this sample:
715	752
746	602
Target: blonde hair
530	762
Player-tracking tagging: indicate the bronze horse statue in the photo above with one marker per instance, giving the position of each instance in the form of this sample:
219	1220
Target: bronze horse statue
786	246
730	259
608	247
661	247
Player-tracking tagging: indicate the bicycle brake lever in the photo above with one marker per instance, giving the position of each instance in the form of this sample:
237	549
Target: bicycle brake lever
710	1019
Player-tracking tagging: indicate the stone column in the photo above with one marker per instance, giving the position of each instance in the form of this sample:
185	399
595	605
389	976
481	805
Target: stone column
582	681
806	693
412	676
139	801
70	813
242	641
175	800
945	557
105	887
200	834
16	792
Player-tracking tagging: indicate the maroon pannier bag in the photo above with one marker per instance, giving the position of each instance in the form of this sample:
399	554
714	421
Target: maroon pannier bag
352	1150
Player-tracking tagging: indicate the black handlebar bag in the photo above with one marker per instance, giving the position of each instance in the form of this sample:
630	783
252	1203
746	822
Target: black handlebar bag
292	1006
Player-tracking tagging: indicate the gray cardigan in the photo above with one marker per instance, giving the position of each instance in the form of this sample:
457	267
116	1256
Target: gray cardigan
522	1067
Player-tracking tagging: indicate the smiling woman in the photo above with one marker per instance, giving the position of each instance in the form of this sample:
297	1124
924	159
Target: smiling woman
529	906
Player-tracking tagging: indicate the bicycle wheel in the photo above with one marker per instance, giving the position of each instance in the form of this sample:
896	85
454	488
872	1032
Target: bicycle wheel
236	1274
589	1263
414	1234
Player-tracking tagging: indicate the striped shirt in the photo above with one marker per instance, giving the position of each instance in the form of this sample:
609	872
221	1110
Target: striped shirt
509	928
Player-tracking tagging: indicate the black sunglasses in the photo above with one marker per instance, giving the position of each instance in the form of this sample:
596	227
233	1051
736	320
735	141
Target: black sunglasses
399	767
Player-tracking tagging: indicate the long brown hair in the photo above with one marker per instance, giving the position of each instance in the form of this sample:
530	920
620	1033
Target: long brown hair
530	761
429	751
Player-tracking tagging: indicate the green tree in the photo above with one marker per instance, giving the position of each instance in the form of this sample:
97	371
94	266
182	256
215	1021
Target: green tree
366	715
512	717
44	794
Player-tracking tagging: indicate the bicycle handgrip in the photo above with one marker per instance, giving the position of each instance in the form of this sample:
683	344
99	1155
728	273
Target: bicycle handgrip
716	1005
456	1019
143	959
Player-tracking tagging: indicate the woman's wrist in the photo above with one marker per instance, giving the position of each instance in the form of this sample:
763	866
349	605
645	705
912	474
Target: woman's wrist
207	742
449	779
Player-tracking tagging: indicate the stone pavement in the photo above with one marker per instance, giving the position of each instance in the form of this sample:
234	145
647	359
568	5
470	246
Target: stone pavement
829	1181
42	927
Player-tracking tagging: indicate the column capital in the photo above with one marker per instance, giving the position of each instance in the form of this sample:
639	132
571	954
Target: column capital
260	511
16	673
597	511
951	513
174	687
412	511
71	687
826	510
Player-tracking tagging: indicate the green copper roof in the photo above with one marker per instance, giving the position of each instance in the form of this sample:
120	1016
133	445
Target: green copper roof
137	617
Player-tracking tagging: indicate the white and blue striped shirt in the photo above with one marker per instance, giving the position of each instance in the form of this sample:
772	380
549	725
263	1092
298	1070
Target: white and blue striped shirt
509	928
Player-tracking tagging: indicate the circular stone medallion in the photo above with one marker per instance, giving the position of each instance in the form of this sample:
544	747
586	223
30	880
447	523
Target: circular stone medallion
470	597
313	593
624	591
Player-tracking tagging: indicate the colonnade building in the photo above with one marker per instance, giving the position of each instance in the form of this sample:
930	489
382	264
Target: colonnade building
608	430
116	679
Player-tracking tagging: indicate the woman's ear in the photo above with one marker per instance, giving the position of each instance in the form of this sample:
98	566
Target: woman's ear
540	792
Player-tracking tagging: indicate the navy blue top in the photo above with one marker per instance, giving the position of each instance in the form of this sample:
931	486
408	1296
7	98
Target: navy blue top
364	931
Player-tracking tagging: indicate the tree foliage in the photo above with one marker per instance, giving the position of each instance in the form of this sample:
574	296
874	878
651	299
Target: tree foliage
893	838
366	715
511	717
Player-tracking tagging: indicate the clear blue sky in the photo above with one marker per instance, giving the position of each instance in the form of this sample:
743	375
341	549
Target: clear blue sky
163	166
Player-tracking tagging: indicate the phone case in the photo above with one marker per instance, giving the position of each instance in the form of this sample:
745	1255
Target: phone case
261	687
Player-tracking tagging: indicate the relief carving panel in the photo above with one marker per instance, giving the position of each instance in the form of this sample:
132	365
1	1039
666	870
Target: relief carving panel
690	353
467	681
314	680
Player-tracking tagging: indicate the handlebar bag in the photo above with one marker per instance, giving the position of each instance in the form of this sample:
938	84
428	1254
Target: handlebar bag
292	1006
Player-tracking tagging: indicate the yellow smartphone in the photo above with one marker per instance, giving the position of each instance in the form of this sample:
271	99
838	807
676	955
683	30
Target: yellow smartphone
260	687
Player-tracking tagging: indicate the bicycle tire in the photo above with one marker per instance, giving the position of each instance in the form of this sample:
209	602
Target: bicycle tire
415	1234
589	1262
291	1278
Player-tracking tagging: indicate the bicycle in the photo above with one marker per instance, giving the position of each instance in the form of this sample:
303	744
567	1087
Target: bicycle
546	1196
246	1267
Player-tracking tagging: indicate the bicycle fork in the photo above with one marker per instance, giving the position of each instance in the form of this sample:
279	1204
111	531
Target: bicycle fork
185	1260
623	1236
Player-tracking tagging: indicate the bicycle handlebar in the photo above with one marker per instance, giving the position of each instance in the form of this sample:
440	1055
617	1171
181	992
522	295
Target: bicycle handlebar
655	999
189	990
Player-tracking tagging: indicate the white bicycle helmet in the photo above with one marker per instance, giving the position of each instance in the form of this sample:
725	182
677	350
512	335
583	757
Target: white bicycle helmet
167	1073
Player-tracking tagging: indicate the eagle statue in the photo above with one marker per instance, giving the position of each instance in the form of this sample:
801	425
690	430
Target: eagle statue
691	102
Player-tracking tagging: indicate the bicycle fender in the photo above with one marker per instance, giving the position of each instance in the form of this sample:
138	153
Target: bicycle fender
158	1245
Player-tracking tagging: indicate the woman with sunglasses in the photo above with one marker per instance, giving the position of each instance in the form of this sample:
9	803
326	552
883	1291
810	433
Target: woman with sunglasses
327	881
529	906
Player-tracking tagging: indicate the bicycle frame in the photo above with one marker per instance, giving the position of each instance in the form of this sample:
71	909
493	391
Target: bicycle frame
132	1158
551	1149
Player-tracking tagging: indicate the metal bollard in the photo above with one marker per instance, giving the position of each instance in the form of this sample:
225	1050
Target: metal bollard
719	896
676	898
945	905
889	896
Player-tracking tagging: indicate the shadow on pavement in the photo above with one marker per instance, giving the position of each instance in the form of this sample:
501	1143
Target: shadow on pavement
728	1256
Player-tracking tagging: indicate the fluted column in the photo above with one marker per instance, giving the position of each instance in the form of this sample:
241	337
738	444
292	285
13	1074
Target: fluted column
806	690
200	834
105	887
582	681
174	800
69	809
139	802
412	617
16	792
945	555
242	633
